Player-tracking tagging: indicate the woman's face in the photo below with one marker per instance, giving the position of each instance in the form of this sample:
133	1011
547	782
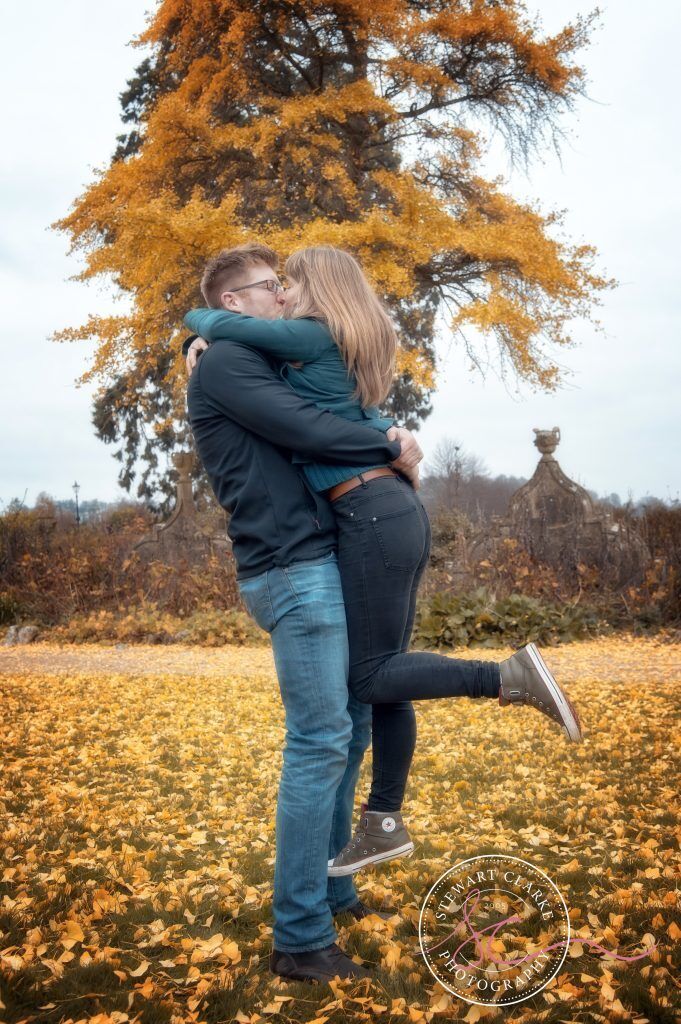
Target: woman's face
290	297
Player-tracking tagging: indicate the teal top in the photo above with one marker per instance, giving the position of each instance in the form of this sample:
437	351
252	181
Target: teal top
323	379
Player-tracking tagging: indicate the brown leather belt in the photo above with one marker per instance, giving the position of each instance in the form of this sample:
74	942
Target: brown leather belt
355	481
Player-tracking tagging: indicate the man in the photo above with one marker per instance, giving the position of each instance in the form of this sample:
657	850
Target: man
246	421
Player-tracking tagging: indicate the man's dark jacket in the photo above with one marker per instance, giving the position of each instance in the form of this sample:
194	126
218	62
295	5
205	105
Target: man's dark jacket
246	421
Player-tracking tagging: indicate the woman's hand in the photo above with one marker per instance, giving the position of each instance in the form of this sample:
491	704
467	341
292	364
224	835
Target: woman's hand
198	345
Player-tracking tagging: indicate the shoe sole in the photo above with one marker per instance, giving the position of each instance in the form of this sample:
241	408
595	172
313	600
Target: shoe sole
349	869
316	977
571	722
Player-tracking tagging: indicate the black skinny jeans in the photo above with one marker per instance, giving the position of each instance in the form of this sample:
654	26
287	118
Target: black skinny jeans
383	547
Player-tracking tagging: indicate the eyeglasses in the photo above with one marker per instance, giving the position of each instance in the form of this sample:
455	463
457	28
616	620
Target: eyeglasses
272	286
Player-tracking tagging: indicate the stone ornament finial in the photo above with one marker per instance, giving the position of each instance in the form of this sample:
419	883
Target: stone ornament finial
547	441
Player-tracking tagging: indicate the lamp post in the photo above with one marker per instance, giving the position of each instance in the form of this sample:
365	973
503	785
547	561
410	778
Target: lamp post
76	488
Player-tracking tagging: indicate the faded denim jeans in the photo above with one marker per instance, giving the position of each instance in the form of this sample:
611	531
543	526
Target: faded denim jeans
327	732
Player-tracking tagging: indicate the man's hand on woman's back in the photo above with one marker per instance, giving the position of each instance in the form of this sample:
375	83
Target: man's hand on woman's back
410	454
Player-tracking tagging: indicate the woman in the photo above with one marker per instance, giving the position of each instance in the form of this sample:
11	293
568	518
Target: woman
340	335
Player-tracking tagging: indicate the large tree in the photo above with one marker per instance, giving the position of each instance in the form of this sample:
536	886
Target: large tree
354	123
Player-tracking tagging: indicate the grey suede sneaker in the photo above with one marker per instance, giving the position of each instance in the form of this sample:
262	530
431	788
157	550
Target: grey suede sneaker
380	835
525	679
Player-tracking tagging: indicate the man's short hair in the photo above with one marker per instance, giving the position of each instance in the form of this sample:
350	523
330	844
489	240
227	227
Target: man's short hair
227	269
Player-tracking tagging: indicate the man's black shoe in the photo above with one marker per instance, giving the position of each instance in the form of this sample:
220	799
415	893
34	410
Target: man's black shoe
316	964
360	910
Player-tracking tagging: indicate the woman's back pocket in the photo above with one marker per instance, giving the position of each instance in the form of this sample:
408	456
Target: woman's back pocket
401	537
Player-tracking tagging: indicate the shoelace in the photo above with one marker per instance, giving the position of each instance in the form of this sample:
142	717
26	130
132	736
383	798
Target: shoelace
528	699
359	835
545	707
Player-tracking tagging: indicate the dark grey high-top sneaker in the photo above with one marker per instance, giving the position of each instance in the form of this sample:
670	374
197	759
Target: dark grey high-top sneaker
525	679
380	835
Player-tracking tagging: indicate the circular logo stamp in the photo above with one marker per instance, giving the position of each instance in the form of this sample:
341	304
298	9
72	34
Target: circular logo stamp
494	930
388	824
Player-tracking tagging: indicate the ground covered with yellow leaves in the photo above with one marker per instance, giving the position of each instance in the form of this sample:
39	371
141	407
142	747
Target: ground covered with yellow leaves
137	808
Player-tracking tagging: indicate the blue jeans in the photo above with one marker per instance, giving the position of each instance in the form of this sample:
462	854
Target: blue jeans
327	732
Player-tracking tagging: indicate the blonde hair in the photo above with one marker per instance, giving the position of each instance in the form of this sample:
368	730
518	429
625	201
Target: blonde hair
332	287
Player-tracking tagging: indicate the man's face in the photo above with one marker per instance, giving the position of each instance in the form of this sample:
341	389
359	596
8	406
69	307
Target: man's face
257	301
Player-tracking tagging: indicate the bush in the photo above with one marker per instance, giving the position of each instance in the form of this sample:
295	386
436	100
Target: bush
87	581
211	627
10	609
51	570
651	604
479	619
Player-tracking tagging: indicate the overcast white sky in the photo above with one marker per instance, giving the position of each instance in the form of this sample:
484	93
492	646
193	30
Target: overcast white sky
64	66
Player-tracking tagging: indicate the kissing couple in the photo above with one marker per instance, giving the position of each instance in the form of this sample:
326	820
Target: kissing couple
330	540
